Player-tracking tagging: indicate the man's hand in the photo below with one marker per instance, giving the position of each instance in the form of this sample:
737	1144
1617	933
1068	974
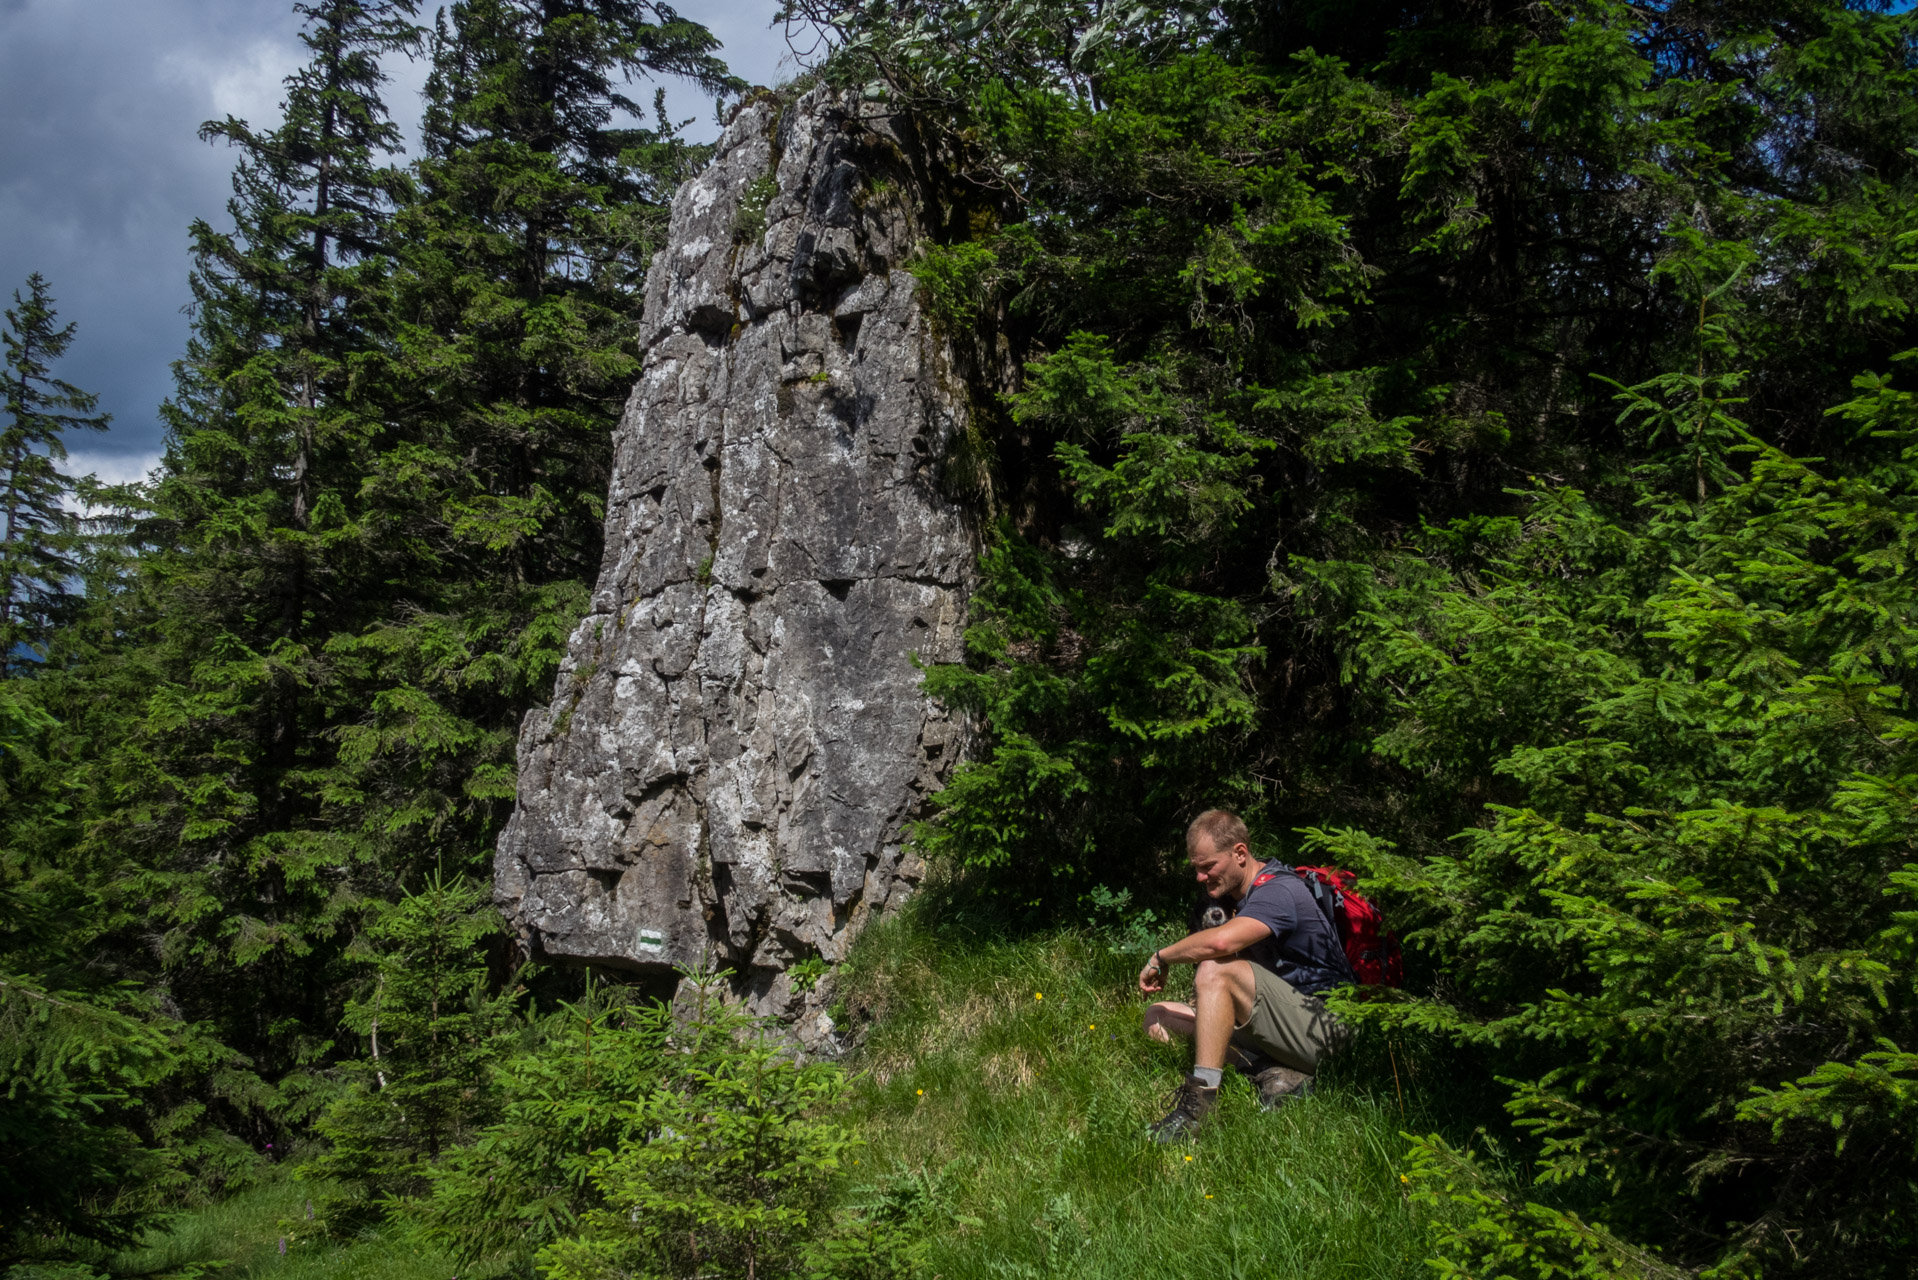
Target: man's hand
1152	977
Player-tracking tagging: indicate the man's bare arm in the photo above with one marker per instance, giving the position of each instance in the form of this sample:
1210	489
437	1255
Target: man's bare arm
1228	939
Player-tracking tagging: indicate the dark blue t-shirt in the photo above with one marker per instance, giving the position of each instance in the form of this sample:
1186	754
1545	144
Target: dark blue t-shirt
1304	947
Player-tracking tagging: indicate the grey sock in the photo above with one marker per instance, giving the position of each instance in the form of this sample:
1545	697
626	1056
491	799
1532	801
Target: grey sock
1208	1076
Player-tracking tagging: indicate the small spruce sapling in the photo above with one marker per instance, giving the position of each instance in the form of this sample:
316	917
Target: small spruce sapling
739	1170
566	1098
431	1030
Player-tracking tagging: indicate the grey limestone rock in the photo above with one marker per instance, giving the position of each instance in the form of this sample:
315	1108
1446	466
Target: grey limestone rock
738	738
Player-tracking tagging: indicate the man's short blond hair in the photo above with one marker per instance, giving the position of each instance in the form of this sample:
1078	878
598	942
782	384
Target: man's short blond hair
1221	827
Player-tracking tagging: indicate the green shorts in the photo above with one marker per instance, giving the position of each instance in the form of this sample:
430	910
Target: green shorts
1287	1025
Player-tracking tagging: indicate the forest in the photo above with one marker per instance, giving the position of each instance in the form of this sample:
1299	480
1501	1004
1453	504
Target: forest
1476	441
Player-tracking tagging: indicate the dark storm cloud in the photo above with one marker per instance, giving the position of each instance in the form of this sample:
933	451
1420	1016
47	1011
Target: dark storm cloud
102	171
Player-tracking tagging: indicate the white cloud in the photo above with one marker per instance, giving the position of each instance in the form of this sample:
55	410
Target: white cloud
111	468
247	82
107	468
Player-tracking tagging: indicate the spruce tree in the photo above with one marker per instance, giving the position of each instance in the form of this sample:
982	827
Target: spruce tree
253	557
39	534
1286	282
431	1028
521	251
380	500
527	246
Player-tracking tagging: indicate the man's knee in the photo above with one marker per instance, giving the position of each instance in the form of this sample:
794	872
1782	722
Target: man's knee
1227	982
1217	975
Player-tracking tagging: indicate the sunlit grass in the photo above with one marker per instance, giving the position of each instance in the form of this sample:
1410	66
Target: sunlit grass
1013	1078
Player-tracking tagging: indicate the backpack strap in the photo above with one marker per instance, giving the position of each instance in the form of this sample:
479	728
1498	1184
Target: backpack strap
1326	898
1329	900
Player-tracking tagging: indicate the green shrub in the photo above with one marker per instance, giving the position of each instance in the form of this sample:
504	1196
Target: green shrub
565	1099
432	1029
1686	938
952	280
749	218
105	1101
731	1166
73	1076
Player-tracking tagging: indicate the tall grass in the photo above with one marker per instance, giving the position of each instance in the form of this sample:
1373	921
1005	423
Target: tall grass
1011	1081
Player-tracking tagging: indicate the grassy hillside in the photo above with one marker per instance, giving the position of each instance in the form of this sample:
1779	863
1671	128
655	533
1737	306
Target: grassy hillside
1010	1081
1002	1087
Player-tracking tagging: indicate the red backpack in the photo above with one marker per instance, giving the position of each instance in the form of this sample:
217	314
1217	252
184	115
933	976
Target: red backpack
1370	948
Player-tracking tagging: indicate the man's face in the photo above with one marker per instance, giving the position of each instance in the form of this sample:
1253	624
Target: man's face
1220	871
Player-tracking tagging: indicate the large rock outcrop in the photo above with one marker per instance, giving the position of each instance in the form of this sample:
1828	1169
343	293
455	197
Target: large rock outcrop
738	738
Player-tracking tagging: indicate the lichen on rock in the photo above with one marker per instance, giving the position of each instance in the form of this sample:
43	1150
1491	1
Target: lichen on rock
738	739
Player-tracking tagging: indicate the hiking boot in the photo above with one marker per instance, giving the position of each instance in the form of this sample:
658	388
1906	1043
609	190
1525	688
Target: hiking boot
1189	1110
1279	1085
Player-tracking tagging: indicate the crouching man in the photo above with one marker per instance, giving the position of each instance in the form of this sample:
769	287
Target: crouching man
1261	982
